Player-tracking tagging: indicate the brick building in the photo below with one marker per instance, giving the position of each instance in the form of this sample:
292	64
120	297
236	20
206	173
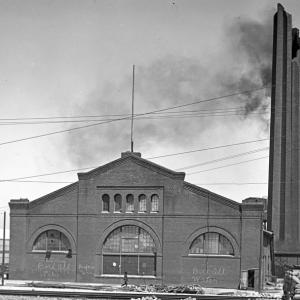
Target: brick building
134	216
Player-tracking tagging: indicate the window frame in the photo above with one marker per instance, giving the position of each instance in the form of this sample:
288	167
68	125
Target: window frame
144	203
61	235
105	202
128	204
154	204
138	255
115	202
206	245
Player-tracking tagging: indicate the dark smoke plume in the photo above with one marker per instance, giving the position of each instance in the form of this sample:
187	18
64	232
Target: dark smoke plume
243	63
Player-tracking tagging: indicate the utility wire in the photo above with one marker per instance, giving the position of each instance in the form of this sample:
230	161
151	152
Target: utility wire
46	120
208	148
124	118
242	162
135	118
45	174
241	108
93	167
224	158
38	181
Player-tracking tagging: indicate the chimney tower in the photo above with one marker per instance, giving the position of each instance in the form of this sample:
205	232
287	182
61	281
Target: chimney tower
284	161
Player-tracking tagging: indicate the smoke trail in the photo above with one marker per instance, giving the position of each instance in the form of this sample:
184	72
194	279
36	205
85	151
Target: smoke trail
244	63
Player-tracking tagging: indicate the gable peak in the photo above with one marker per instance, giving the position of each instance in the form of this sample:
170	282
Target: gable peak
129	153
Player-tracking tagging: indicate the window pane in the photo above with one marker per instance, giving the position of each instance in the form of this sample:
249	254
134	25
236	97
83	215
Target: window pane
129	264
146	242
225	247
112	242
142	203
130	231
147	265
105	202
211	243
129	203
154	202
111	264
53	238
118	202
129	242
65	244
41	242
198	245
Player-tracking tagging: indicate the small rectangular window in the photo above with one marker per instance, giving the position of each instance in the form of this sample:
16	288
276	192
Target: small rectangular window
118	203
105	203
142	203
129	203
154	203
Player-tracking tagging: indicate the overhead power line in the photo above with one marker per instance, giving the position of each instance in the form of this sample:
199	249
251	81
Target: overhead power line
208	148
235	108
155	117
242	162
38	181
97	118
45	174
93	167
125	118
224	158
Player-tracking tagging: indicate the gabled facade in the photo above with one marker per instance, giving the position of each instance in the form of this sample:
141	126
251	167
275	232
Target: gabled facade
134	216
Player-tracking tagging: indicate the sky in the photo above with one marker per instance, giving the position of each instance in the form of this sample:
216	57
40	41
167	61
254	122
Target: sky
68	63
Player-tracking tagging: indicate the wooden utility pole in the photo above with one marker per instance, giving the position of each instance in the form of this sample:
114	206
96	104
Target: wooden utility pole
3	248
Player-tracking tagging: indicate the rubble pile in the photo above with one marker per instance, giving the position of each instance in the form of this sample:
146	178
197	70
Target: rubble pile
185	289
291	286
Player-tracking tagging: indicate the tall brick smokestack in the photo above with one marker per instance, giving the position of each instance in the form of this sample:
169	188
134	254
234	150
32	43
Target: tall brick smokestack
284	168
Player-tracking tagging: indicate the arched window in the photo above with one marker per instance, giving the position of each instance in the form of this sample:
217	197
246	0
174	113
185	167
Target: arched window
129	249
51	240
118	202
142	203
154	203
211	243
105	202
129	203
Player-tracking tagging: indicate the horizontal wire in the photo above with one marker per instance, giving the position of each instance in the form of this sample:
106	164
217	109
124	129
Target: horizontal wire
242	162
142	114
208	148
93	167
37	181
224	158
136	118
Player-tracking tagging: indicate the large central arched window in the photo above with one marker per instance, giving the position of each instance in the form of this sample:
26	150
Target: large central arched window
211	243
129	249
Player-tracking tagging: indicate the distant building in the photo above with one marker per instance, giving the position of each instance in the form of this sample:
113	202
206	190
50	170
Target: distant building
134	216
6	254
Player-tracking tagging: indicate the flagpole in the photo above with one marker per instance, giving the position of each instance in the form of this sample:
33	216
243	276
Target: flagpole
132	107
